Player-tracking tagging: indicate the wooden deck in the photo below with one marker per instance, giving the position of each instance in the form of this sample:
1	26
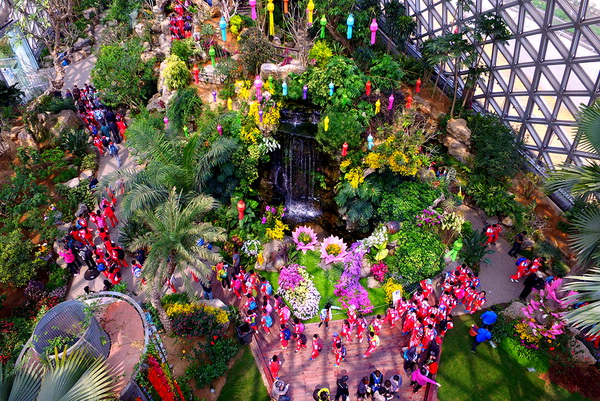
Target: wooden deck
304	376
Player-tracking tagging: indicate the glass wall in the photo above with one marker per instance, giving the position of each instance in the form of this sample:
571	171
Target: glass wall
541	76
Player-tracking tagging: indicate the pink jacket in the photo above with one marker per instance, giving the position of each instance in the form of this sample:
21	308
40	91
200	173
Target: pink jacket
420	379
67	256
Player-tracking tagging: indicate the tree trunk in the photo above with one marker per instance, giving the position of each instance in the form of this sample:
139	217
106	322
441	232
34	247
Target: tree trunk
59	81
162	314
455	87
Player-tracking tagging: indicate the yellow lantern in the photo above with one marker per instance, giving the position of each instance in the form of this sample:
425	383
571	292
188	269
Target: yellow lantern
310	8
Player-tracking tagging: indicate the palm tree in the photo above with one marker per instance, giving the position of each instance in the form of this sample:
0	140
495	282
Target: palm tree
175	228
583	182
474	250
588	291
77	376
172	161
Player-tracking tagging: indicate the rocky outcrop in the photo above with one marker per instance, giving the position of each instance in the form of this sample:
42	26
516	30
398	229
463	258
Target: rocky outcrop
458	140
581	355
281	72
458	130
63	121
514	311
275	255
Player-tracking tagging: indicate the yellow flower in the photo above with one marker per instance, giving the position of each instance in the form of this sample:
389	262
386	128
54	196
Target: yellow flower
374	160
242	88
250	136
390	286
355	177
277	231
345	163
333	249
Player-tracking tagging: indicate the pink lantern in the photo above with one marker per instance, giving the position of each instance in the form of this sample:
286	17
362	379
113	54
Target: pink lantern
391	101
373	27
258	83
220	129
253	7
166	121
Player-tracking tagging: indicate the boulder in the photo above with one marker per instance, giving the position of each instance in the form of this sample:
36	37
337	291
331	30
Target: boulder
63	121
81	43
90	13
25	139
458	129
215	12
280	72
365	268
275	255
165	27
508	222
204	9
139	28
580	353
81	210
514	311
78	56
72	183
372	283
85	175
458	150
156	104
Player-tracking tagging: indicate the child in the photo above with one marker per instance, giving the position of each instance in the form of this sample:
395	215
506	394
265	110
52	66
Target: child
337	351
391	316
300	341
266	289
284	336
274	366
362	326
347	331
266	321
376	324
373	344
317	346
352	316
325	315
298	326
284	314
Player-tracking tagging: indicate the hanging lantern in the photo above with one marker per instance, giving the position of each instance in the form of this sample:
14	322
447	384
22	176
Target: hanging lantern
253	7
323	24
370	143
409	100
223	26
220	129
214	93
260	115
418	86
309	9
185	131
229	104
391	101
271	8
345	149
377	106
212	52
285	6
284	88
373	27
258	83
305	92
350	23
241	207
368	88
326	124
166	121
196	72
331	88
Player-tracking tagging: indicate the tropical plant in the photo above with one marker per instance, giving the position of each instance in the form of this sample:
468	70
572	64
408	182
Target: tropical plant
172	241
474	250
255	50
385	72
321	53
348	79
359	203
184	108
75	376
343	127
17	261
583	182
184	49
9	95
176	73
76	141
587	288
397	24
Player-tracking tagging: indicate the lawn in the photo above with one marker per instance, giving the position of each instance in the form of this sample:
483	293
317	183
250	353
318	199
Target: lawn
490	374
244	382
325	283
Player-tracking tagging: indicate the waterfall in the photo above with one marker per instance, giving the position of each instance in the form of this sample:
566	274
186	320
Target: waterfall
295	164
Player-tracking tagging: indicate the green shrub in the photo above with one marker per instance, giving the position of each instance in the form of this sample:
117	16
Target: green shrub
179	298
76	141
255	50
17	262
235	24
419	254
184	108
321	53
348	79
407	199
57	277
343	127
89	162
491	195
72	197
65	175
560	268
176	73
386	73
216	358
47	103
184	49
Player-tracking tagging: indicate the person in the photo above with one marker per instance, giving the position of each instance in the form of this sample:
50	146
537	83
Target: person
419	379
395	384
113	150
376	324
107	286
481	336
87	290
114	130
373	344
274	366
375	380
347	331
338	354
88	258
206	288
222	275
321	394
364	389
411	357
284	336
489	317
317	346
342	389
279	391
325	315
517	244
522	266
532	281
298	326
300	341
362	327
69	258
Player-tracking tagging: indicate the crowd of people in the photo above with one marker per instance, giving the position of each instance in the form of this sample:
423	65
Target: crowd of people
181	20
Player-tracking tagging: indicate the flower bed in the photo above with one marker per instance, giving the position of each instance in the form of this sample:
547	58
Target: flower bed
197	320
299	292
349	289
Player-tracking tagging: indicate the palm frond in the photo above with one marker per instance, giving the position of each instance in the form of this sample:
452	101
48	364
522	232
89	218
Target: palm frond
22	384
220	152
586	238
587	289
142	197
589	128
580	181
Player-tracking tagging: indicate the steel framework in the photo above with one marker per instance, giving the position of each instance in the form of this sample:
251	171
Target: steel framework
539	79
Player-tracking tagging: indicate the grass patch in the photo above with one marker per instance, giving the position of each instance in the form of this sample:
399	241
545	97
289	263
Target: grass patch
491	374
244	382
325	282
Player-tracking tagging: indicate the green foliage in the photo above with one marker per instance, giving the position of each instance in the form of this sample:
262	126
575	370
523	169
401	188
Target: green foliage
255	50
244	382
184	108
321	53
474	250
406	200
559	268
9	95
47	103
72	197
121	76
179	298
496	147
132	228
419	254
119	10
398	25
359	203
216	356
17	261
236	24
57	277
343	127
176	73
385	73
89	162
229	69
76	141
363	57
349	81
184	49
492	196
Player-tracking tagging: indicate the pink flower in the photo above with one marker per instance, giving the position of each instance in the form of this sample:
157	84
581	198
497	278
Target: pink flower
333	249
305	238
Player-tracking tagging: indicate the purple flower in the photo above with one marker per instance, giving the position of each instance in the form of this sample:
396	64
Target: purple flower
263	220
